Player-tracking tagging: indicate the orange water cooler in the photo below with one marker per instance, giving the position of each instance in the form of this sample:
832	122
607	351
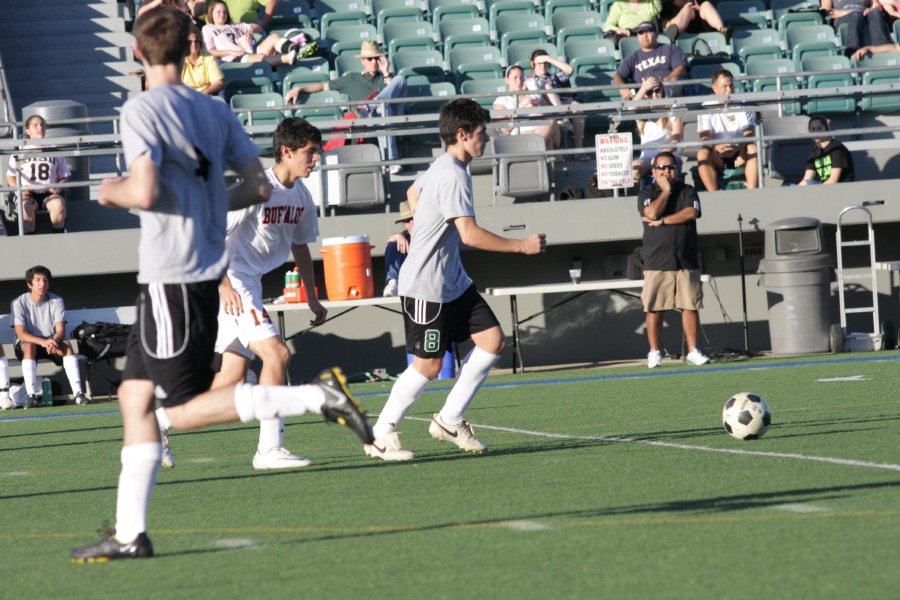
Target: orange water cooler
348	267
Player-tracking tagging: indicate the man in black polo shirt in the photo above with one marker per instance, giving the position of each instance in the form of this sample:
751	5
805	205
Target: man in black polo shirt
669	210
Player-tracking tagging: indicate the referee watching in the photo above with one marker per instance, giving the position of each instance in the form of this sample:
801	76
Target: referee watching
669	210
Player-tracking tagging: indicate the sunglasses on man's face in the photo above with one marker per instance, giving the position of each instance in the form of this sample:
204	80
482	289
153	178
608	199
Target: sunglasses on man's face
664	167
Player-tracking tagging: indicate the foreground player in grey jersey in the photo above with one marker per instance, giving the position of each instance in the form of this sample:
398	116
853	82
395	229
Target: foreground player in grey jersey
440	302
177	145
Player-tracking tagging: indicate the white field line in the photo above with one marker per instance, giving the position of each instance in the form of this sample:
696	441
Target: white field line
599	438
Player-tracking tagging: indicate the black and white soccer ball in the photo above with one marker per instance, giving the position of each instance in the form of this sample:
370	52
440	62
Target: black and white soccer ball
746	416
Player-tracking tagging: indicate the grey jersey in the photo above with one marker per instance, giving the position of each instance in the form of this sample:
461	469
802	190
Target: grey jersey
433	270
39	319
191	139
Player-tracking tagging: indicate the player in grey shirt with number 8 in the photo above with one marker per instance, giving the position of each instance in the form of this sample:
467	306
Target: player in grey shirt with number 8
440	303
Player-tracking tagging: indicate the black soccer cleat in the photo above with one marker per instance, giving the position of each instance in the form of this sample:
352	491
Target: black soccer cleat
340	406
110	548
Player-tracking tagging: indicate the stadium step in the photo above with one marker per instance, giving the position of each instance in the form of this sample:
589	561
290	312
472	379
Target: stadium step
41	72
80	86
72	56
75	11
61	27
29	42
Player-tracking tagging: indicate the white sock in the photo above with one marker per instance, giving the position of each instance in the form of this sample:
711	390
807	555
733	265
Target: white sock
163	420
474	371
257	402
140	463
70	365
271	435
29	373
407	389
4	372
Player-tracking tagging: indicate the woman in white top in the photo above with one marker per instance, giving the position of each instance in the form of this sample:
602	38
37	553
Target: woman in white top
41	172
515	82
234	42
661	130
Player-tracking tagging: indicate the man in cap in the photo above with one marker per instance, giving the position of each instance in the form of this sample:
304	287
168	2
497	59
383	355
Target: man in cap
396	250
665	61
375	82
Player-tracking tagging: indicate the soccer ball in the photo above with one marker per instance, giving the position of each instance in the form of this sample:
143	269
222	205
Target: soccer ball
746	416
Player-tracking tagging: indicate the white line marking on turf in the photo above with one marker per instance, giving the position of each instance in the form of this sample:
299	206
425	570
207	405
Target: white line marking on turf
600	438
15	474
239	544
800	508
850	378
525	525
200	460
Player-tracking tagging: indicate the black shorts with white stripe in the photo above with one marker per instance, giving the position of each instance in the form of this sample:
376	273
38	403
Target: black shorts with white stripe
173	339
431	326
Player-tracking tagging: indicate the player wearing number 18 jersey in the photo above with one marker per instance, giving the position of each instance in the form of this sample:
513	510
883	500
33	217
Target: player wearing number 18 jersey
42	172
177	145
440	302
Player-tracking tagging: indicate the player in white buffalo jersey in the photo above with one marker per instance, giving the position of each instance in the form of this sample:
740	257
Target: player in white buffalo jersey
259	239
177	145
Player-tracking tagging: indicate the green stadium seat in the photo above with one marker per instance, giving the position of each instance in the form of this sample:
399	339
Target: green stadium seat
330	20
272	101
880	103
809	33
453	11
464	26
473	55
569	34
327	110
712	40
602	49
493	87
844	103
551	7
464	40
807	49
563	19
744	14
404	29
704	72
520	54
356	33
405	44
747	42
401	15
301	76
291	13
778	66
504	7
518	28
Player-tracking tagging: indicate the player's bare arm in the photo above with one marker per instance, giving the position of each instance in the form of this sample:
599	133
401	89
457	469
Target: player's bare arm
253	187
305	265
138	189
230	299
475	237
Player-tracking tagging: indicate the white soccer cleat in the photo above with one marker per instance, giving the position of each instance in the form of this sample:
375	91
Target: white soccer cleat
81	399
387	448
6	401
462	435
654	359
279	458
697	358
168	458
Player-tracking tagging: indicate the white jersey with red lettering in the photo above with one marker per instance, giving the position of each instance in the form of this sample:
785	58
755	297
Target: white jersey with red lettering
260	236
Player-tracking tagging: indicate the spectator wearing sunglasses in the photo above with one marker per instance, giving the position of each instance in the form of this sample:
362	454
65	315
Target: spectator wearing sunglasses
669	211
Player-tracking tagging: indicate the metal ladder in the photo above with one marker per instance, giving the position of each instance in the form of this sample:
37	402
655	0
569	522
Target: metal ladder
859	341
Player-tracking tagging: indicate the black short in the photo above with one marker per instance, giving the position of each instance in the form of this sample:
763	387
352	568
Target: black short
41	354
431	326
173	339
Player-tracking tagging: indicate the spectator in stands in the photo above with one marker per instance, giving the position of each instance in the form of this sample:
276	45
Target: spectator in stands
542	79
724	125
665	61
397	247
625	16
247	11
663	129
39	317
176	4
669	211
691	16
830	161
869	50
859	16
375	82
515	82
234	42
201	72
41	172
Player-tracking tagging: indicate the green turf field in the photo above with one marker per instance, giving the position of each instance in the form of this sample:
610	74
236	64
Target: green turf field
608	483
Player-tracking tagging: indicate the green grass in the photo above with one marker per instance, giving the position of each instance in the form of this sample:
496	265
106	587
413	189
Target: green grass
594	486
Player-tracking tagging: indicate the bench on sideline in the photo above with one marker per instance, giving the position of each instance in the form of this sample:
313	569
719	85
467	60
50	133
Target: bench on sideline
46	368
